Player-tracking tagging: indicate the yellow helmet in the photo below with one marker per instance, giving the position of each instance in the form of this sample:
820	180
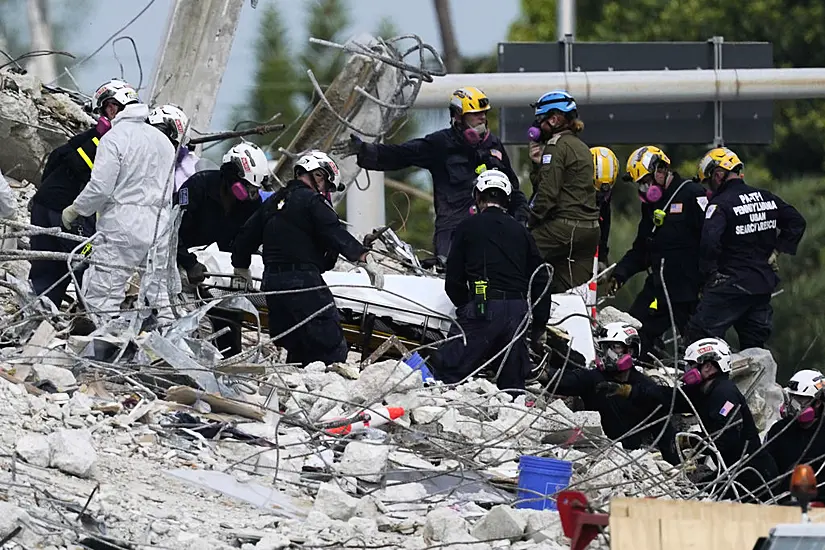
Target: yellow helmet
644	160
721	157
605	168
468	100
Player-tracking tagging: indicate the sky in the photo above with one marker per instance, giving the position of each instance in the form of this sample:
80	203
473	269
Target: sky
478	31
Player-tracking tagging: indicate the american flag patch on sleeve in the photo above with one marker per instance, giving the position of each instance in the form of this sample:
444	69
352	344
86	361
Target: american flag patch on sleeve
726	408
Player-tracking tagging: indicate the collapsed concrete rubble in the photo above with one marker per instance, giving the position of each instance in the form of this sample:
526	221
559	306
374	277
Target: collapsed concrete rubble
33	122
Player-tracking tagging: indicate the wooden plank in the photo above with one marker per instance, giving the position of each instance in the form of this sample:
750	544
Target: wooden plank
688	534
188	396
634	534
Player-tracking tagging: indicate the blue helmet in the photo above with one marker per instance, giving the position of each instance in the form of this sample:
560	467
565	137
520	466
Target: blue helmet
557	100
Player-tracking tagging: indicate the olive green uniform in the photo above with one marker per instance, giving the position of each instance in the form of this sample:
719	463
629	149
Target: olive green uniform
564	217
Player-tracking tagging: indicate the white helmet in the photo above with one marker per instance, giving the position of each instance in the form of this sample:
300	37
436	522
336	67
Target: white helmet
173	122
315	160
251	161
493	179
806	383
620	333
709	349
116	89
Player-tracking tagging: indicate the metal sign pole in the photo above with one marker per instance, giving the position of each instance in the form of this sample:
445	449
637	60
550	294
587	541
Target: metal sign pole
718	135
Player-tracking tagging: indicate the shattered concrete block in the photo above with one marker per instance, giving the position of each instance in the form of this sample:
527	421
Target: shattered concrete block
71	451
383	378
767	395
442	524
426	415
403	492
610	314
12	517
34	449
368	507
316	367
334	502
60	377
333	395
545	522
365	461
587	419
501	522
273	541
365	527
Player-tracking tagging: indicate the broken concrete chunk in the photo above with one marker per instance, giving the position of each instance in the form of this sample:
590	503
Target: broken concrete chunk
34	449
273	541
60	377
364	460
12	517
426	415
442	524
71	451
334	502
610	314
502	522
380	379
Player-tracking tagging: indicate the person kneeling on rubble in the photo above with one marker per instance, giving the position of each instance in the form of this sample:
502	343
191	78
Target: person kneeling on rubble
799	437
622	420
724	413
302	237
68	169
217	203
489	268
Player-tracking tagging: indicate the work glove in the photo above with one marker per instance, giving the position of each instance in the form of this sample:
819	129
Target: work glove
538	341
375	275
196	274
772	261
242	279
609	389
613	285
536	150
68	216
352	147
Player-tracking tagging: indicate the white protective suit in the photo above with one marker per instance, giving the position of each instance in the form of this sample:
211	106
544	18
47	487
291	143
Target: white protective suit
130	191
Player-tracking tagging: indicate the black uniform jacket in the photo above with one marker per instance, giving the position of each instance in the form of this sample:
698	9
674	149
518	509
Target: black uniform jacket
743	226
210	215
492	246
296	225
676	241
452	162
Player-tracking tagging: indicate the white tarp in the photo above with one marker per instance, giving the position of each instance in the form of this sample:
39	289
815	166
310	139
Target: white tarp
409	298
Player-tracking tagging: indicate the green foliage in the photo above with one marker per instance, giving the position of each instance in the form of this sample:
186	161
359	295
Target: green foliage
795	29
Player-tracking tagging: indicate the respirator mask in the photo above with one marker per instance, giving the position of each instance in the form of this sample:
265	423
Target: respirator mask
649	192
476	134
799	407
616	358
103	125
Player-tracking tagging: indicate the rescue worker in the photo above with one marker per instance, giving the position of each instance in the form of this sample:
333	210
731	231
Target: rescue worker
302	237
670	228
721	407
217	203
619	346
488	272
454	157
131	193
68	169
605	172
564	217
745	229
799	436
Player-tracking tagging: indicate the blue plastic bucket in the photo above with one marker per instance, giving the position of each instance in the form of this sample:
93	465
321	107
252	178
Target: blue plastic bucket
416	362
541	476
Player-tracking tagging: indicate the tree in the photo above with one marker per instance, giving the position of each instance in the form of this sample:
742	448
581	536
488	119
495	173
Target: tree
798	147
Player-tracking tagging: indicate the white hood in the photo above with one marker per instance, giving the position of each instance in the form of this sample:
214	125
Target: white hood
134	111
